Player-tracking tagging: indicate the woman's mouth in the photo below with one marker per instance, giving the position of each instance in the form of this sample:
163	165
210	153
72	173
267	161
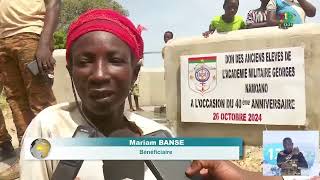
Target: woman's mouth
100	94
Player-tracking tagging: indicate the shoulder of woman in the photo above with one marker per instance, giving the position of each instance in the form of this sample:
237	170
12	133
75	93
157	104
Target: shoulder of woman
53	119
145	124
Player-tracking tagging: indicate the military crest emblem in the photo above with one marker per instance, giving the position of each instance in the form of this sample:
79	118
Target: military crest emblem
202	74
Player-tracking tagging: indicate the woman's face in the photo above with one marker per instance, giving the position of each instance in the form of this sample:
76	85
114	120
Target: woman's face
167	37
231	7
103	70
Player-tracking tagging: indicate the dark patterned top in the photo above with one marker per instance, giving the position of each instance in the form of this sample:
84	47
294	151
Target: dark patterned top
255	16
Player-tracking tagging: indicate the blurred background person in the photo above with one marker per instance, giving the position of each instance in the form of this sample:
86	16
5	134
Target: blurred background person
257	18
26	34
296	9
229	21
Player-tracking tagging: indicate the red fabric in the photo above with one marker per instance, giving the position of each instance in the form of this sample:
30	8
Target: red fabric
141	28
109	21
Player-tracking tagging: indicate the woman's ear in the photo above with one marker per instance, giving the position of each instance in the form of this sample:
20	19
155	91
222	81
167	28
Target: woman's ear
136	71
69	69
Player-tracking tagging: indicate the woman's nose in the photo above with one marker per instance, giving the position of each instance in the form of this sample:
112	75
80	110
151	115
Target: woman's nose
100	71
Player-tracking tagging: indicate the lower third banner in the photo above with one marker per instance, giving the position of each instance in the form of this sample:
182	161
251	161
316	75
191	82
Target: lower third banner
133	149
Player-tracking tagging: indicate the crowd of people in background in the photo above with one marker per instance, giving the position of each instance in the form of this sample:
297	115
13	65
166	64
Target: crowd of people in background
270	13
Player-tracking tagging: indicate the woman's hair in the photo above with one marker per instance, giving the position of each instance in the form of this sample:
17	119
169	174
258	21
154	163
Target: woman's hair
287	139
226	1
169	32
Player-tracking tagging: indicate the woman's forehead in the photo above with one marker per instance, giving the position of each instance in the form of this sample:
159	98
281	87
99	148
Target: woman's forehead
232	2
100	39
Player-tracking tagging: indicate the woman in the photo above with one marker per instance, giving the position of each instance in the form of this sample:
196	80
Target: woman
103	49
102	52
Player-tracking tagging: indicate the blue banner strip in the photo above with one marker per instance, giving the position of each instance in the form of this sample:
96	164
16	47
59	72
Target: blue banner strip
149	141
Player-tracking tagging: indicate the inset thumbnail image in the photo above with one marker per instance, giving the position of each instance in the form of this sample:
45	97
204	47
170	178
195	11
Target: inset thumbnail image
290	153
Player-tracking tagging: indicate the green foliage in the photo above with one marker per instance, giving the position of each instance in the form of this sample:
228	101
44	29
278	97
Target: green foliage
60	39
71	9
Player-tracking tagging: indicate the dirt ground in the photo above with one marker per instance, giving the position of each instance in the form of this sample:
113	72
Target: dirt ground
8	119
252	160
11	129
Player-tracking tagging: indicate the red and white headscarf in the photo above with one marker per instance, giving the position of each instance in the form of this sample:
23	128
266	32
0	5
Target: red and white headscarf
109	21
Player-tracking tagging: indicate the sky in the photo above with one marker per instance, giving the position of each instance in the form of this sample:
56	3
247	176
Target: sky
298	137
183	17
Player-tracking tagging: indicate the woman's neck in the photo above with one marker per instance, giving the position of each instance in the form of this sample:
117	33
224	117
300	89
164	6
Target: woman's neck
109	122
263	7
227	19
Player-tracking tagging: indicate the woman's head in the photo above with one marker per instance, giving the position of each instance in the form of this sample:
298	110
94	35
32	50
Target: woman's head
103	48
167	36
264	2
231	7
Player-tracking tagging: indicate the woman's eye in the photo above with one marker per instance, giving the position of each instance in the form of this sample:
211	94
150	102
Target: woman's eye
116	60
84	60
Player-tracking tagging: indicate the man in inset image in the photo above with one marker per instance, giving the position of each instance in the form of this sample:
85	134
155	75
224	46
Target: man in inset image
290	160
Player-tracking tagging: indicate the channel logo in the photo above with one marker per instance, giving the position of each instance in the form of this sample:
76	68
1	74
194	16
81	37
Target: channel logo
286	20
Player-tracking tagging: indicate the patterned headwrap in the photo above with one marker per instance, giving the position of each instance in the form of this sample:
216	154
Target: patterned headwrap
109	21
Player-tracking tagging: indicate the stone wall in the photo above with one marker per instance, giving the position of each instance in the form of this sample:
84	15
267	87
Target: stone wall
307	35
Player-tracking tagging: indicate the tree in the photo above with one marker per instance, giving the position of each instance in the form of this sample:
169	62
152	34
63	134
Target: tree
71	9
